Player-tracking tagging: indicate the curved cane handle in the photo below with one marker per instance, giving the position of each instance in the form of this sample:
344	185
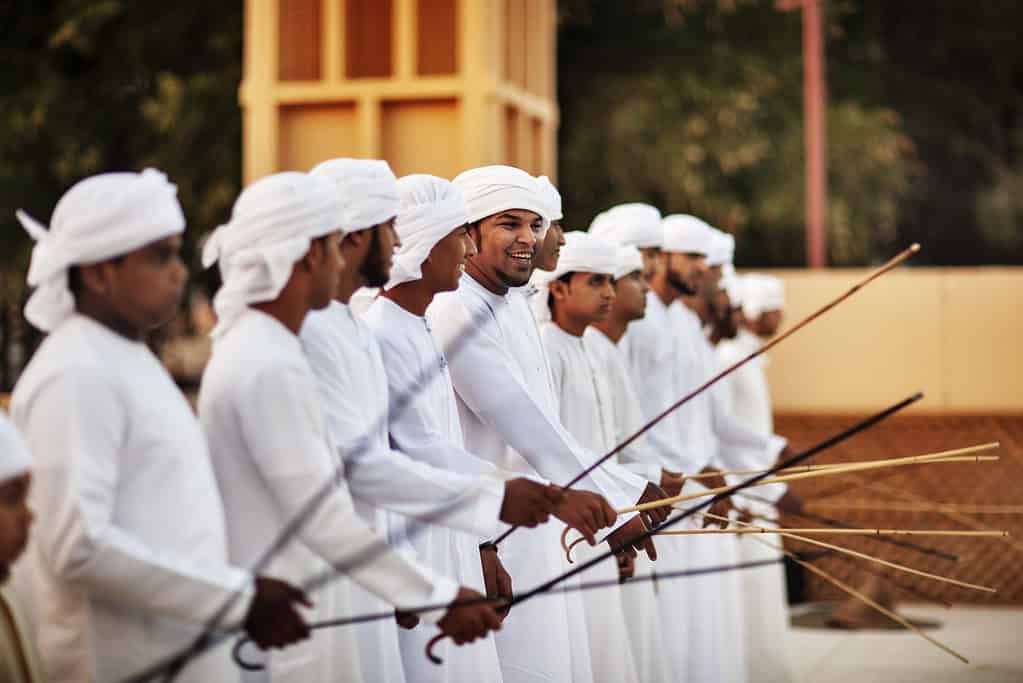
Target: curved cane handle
236	655
429	649
564	544
568	551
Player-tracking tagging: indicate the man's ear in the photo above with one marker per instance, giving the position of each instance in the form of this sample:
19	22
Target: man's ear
476	235
95	277
559	290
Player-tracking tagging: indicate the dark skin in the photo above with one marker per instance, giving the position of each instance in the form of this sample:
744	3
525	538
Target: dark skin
505	244
368	254
678	275
15	520
549	249
132	295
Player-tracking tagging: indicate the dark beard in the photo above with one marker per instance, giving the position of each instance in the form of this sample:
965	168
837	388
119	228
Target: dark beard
375	269
681	285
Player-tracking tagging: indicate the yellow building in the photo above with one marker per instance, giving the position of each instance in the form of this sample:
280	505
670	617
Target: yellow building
432	86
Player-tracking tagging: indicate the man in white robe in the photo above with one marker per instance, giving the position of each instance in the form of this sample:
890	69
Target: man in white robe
766	604
128	557
633	225
280	257
389	487
508	413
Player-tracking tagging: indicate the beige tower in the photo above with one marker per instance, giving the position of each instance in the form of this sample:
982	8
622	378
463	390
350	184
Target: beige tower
432	86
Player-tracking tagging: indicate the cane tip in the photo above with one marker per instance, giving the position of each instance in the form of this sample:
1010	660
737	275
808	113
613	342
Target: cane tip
915	247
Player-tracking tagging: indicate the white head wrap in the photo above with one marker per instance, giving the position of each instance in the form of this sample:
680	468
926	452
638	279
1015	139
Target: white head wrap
629	261
582	253
551	195
734	287
634	223
685	234
492	189
761	293
273	222
14	457
366	189
431	208
722	249
100	218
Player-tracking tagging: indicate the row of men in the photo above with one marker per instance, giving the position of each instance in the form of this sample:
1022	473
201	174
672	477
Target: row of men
402	441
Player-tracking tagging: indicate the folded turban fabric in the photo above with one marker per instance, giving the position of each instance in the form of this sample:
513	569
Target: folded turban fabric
722	249
733	286
629	261
634	224
14	457
366	189
489	190
761	293
551	195
430	209
684	234
273	222
99	218
582	253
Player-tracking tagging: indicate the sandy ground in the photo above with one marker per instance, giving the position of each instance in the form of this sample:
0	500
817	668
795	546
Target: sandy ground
991	638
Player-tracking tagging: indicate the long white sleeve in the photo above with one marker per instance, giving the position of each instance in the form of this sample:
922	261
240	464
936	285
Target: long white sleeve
79	468
280	424
385	478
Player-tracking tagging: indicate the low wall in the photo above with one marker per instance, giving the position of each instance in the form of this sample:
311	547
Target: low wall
953	333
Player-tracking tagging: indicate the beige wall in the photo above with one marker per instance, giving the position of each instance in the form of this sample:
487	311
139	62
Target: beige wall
953	333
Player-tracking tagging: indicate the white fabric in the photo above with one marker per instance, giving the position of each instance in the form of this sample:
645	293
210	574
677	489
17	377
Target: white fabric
387	484
629	261
99	218
507	409
128	553
428	431
262	414
430	209
581	253
551	196
273	222
366	189
633	224
14	457
684	234
732	286
489	190
764	591
722	249
761	293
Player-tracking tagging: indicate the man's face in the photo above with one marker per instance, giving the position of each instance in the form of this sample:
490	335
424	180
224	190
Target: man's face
586	296
15	520
505	243
143	288
548	251
376	268
685	272
444	266
325	267
651	262
630	296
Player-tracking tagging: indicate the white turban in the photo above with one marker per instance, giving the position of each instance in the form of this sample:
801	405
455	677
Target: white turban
629	261
734	287
100	218
551	195
634	223
14	457
431	208
582	253
761	293
273	222
685	234
489	190
722	249
366	189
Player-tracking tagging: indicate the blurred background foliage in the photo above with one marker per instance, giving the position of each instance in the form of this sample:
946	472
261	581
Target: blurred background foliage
693	105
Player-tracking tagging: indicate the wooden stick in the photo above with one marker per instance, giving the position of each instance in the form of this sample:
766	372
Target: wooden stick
841	469
869	558
841	585
817	531
895	506
813	468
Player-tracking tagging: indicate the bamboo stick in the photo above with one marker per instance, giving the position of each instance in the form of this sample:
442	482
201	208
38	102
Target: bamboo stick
896	506
818	531
841	469
869	558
